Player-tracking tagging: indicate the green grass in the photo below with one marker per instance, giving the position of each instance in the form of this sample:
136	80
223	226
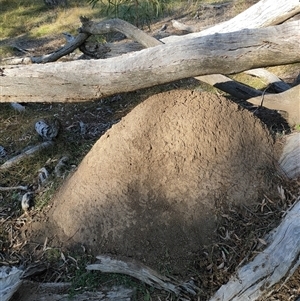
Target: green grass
19	17
35	19
32	19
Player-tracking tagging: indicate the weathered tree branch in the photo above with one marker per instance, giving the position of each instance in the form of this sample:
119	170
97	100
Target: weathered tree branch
13	188
139	271
238	90
57	291
220	53
25	154
230	86
269	78
263	13
288	101
289	161
119	25
68	48
277	262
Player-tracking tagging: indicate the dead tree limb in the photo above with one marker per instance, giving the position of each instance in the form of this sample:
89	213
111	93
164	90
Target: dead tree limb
68	48
230	86
31	290
289	161
130	31
277	262
288	101
25	154
269	78
263	13
119	25
139	271
13	188
86	80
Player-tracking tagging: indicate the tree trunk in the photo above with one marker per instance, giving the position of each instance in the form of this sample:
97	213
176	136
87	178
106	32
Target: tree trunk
219	53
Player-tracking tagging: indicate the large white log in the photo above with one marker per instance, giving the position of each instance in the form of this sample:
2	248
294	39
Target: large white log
86	80
263	13
289	161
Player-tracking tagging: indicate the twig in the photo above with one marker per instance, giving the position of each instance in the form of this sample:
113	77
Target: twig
262	99
13	188
25	154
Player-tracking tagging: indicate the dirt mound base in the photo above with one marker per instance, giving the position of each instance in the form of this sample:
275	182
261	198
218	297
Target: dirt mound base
153	185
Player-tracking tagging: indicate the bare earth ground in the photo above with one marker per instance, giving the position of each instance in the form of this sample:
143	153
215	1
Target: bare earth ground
210	265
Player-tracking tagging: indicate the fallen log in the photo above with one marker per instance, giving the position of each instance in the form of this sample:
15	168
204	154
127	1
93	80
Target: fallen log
286	11
263	13
288	101
219	53
30	290
289	161
276	263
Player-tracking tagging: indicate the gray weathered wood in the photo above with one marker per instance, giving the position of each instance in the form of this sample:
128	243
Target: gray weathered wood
36	291
288	101
276	263
263	13
219	53
273	13
10	281
230	86
25	154
13	188
106	264
289	161
269	78
68	48
119	25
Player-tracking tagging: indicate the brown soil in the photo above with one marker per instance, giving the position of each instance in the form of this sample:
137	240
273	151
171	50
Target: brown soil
155	184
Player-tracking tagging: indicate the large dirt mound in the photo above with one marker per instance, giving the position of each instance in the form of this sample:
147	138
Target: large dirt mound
153	185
